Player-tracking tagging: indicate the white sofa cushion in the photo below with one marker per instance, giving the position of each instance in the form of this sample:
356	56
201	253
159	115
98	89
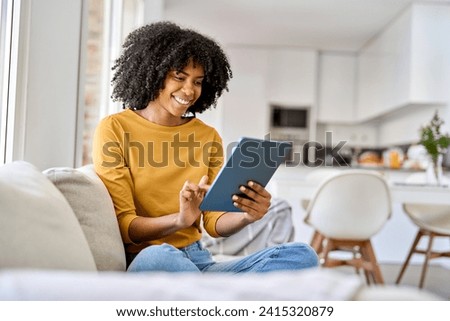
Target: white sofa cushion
308	284
305	285
38	228
94	209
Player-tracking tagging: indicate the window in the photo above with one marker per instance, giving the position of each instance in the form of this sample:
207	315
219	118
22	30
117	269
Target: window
108	23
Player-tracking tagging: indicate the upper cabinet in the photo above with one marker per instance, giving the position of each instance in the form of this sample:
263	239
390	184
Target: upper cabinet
406	64
244	109
336	91
291	78
264	76
430	58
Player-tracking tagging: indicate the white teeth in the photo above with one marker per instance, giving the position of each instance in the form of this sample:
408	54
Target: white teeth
181	100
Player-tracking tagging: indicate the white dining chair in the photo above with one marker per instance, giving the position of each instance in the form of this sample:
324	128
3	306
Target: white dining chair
433	221
315	178
347	210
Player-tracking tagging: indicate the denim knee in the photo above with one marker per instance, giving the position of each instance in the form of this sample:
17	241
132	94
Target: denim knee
285	257
162	257
302	254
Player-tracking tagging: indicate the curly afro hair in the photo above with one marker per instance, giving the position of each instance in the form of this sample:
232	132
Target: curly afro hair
152	51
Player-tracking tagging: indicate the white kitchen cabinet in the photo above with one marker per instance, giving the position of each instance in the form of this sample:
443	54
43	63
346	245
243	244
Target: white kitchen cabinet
245	109
430	54
407	63
261	77
336	103
336	96
383	70
291	78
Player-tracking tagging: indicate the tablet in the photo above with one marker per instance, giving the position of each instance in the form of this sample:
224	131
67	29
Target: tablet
252	159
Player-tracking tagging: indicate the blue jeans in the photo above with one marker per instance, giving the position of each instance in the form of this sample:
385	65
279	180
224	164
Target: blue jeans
194	258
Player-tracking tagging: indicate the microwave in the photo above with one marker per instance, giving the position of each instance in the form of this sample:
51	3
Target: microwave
289	122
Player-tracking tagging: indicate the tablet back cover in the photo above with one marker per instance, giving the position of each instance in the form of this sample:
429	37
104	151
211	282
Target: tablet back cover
252	159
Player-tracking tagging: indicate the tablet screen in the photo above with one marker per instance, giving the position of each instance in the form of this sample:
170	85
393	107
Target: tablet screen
252	159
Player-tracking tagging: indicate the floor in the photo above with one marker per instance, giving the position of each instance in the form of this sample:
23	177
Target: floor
437	279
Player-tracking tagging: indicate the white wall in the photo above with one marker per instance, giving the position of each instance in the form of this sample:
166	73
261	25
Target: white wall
363	135
153	10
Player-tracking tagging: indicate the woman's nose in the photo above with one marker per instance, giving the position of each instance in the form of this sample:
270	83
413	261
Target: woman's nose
188	89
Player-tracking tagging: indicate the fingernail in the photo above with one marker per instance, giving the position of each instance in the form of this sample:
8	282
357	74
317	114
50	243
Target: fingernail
235	198
235	204
242	188
250	183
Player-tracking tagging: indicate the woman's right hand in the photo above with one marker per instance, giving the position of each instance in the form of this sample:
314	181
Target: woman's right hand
191	195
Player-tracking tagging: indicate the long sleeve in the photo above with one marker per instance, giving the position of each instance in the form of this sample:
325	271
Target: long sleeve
110	165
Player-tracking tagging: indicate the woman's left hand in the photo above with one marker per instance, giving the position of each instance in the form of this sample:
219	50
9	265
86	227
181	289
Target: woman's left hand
258	204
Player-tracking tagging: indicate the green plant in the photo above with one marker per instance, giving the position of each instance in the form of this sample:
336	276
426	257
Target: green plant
433	140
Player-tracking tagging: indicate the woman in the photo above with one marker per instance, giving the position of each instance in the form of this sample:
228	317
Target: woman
157	159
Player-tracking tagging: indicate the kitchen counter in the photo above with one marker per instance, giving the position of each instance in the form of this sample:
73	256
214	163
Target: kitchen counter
357	166
385	168
291	182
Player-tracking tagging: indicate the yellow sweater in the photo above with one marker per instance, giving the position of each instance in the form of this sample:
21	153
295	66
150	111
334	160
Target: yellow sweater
144	166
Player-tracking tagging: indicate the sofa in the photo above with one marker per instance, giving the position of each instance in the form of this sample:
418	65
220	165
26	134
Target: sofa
59	240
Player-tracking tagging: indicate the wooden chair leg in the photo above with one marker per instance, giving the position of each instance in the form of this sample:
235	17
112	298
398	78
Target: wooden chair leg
427	259
369	255
408	258
317	242
326	251
368	275
357	254
365	258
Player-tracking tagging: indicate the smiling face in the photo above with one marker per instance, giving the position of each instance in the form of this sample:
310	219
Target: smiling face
181	90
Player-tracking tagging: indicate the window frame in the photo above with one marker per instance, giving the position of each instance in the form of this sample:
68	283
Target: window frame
6	24
13	94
